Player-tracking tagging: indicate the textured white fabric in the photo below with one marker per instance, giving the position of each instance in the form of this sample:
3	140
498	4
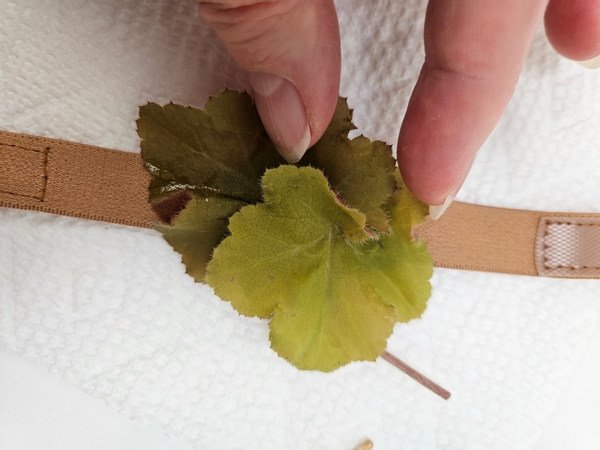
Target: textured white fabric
110	309
42	411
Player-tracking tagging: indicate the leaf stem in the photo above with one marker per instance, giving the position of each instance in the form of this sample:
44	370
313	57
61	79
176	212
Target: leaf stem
422	379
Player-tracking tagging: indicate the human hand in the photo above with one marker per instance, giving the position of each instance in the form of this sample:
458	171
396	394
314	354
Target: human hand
474	52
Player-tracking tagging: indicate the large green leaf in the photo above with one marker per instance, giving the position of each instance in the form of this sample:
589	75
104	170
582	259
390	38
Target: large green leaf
303	259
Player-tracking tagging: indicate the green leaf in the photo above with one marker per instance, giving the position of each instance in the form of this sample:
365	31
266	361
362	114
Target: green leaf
303	259
223	149
218	155
306	258
198	229
397	267
341	122
361	171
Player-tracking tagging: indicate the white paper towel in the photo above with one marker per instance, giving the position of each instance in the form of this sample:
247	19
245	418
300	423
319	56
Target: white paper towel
110	309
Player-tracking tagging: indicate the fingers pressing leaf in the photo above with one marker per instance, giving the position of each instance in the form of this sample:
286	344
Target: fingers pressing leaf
301	248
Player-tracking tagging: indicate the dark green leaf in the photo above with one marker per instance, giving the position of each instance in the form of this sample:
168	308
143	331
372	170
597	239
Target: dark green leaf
198	229
223	149
361	171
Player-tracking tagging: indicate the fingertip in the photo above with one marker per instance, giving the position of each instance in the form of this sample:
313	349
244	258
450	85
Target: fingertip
283	114
436	211
573	28
291	48
474	53
444	126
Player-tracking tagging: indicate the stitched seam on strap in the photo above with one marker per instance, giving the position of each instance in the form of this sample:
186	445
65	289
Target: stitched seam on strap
44	172
563	245
546	246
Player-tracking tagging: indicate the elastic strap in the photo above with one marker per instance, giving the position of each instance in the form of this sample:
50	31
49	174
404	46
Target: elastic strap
488	239
75	180
95	183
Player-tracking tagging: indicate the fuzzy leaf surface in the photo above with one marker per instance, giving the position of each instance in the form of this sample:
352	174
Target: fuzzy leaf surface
303	259
360	170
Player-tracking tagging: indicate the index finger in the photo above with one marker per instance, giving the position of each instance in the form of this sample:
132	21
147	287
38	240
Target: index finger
474	52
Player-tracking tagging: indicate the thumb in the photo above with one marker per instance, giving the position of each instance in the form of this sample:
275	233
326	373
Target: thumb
292	50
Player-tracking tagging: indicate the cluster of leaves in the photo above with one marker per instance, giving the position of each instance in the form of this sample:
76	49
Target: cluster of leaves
322	248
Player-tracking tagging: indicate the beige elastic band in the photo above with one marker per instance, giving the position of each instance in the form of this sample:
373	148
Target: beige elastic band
75	180
513	241
108	185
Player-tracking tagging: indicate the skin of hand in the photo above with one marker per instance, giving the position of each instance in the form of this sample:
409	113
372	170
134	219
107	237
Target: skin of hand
474	53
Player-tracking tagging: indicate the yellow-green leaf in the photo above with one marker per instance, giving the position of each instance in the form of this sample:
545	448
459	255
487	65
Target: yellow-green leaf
408	210
303	259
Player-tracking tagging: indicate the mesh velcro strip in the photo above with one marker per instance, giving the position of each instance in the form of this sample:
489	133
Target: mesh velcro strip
568	247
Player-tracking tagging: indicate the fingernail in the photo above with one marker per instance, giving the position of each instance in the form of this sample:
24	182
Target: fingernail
436	211
593	63
283	114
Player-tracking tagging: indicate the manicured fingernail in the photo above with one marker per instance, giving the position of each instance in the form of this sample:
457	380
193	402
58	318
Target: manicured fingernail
593	63
283	114
436	211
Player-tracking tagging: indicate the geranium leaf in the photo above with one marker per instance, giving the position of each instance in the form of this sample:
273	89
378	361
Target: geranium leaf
324	250
303	259
341	122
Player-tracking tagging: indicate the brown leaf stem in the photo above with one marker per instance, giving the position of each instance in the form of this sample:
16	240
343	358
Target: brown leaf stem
422	379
